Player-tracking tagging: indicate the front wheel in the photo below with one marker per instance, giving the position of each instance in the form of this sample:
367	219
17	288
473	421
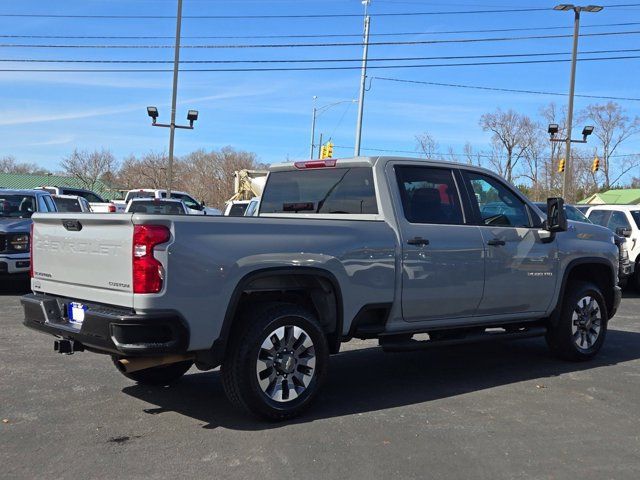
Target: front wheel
581	329
278	365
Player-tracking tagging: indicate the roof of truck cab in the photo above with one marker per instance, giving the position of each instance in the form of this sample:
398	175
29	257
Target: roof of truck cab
8	191
372	161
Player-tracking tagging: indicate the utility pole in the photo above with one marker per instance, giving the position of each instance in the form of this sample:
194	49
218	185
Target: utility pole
566	178
172	128
363	78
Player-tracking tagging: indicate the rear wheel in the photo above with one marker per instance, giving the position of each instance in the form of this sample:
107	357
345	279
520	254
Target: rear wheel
582	327
277	366
162	375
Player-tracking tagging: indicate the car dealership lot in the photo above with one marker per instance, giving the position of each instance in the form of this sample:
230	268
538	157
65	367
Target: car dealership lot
504	410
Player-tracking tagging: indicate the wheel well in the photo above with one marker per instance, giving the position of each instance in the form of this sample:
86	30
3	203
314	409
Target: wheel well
314	289
598	273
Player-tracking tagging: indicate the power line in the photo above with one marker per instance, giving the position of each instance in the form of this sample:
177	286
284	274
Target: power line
299	69
316	35
336	44
293	16
316	60
296	16
497	89
454	154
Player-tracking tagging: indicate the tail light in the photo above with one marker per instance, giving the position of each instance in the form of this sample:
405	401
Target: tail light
148	273
112	208
31	248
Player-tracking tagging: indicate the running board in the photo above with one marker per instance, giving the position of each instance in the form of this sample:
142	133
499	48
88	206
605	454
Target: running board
400	343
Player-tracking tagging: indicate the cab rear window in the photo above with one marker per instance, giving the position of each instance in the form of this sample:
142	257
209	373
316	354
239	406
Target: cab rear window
323	190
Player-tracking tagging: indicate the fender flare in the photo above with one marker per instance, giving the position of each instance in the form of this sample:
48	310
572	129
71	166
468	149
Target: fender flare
216	353
555	313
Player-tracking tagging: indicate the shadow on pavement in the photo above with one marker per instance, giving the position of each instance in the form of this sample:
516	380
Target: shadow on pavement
369	380
15	285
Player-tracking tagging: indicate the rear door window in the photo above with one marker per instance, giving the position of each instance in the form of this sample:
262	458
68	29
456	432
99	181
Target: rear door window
68	205
323	190
429	195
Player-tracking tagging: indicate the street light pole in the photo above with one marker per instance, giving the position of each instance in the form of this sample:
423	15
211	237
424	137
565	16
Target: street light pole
566	178
317	111
566	181
363	78
172	128
313	127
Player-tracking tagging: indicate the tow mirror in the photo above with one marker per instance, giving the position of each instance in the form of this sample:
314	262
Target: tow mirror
556	215
623	231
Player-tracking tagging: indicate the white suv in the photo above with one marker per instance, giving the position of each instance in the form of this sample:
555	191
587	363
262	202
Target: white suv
625	221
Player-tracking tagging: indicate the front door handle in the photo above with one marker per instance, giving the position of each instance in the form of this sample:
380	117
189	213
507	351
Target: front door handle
496	243
418	241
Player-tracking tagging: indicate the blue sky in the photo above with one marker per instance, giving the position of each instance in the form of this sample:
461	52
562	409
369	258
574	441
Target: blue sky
45	115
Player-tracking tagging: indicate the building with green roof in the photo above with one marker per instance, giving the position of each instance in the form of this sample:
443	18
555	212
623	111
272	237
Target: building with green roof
626	196
29	181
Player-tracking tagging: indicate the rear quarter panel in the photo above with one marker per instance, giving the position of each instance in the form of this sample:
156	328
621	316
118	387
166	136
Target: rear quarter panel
209	256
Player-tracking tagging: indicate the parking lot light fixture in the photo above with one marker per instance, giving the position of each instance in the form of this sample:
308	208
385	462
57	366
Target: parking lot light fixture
192	116
563	7
153	113
553	129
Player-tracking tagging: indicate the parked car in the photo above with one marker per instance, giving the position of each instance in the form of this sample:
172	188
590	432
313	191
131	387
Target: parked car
193	206
157	206
379	247
236	208
625	268
16	209
71	203
253	207
96	202
624	220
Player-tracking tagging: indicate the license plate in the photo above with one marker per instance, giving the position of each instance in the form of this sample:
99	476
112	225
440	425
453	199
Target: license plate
76	313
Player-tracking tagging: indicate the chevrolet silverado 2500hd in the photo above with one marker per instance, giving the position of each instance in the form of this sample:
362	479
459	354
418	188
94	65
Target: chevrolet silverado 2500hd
381	248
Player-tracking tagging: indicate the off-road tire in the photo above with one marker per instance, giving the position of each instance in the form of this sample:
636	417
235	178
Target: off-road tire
561	338
162	375
239	370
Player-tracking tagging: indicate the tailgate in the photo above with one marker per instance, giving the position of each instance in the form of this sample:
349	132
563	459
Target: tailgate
83	256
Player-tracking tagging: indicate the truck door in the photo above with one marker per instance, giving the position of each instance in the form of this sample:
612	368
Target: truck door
442	254
520	266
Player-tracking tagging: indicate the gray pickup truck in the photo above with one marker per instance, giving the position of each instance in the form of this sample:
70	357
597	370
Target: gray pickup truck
381	248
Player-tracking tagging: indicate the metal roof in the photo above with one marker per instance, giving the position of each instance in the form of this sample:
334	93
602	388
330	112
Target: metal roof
25	181
626	196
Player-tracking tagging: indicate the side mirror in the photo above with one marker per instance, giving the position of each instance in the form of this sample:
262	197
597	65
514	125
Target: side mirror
556	215
202	203
623	232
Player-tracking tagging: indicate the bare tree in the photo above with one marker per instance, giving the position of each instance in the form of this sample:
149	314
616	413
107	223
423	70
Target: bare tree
427	145
612	128
471	156
149	171
90	167
8	164
210	174
511	131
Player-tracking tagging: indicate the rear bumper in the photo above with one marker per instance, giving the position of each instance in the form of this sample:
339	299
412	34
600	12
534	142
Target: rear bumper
11	264
108	329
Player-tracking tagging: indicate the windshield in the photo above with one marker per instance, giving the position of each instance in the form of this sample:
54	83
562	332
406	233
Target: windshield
636	217
322	190
17	206
572	212
156	207
68	204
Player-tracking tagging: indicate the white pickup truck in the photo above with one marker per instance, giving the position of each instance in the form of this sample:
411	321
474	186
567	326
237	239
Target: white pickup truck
97	203
193	206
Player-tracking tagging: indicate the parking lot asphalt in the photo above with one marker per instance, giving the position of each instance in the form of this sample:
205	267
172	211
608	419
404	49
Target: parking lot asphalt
502	410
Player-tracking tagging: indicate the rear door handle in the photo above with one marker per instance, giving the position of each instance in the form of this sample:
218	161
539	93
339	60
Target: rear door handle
496	243
418	241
